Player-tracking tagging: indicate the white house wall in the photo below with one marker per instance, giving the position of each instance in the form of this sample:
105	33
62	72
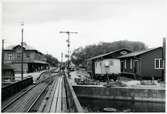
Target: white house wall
114	66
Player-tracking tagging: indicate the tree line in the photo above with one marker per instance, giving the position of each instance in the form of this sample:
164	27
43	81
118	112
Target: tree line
80	55
51	60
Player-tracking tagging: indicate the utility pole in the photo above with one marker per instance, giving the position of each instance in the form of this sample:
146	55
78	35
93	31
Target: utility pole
22	30
164	58
2	54
61	58
68	43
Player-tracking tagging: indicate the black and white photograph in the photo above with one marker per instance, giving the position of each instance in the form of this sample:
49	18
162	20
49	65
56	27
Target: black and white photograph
83	56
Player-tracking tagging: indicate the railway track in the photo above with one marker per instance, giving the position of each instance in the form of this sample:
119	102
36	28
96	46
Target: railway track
54	100
56	103
25	101
47	97
7	103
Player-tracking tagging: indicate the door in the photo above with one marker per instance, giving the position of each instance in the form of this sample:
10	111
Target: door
136	67
122	66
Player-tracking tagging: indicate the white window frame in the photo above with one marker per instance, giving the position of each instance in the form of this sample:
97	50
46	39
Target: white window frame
125	64
131	63
10	56
158	63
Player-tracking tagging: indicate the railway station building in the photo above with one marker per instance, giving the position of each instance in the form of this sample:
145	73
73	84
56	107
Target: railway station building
33	60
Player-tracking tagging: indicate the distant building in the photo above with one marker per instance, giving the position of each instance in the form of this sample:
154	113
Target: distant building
33	60
143	64
7	73
107	63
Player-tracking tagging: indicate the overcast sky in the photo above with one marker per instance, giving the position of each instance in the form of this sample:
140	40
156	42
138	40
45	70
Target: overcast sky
94	20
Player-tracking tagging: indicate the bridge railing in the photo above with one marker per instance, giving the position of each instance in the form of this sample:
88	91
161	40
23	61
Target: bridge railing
11	89
73	103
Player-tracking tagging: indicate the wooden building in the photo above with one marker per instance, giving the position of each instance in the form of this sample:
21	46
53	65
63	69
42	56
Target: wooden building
144	64
107	64
33	60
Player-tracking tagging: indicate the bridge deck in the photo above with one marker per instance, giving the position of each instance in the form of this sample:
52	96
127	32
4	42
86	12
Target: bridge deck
58	96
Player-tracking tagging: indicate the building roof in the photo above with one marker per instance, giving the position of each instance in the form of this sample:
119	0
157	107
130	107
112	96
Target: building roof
37	61
102	55
27	47
136	53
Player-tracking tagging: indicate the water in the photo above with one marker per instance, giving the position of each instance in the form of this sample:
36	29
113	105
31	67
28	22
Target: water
98	105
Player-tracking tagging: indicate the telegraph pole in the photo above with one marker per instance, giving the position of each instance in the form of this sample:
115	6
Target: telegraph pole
22	30
164	58
68	43
2	54
61	58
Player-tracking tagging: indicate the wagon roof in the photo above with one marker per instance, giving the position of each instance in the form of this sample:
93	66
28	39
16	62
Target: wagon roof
136	53
112	52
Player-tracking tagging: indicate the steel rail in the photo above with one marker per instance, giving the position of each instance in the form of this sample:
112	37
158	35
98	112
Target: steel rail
43	104
31	106
50	100
37	98
55	98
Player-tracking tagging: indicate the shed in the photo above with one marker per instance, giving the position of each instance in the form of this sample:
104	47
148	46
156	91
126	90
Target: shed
7	73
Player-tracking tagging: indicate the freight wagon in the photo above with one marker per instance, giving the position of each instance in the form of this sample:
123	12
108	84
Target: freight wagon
107	66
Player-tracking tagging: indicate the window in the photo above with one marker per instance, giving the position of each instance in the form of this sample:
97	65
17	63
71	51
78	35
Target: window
131	63
158	63
10	56
125	64
27	55
18	55
123	52
95	64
